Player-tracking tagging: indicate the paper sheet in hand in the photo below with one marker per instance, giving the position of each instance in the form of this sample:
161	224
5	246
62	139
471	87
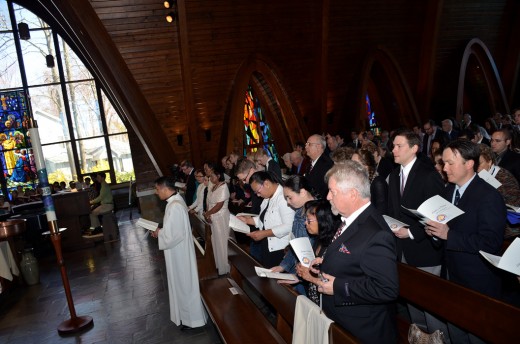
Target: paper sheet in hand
393	223
237	225
488	177
262	272
303	249
513	208
247	214
150	225
510	261
436	209
180	185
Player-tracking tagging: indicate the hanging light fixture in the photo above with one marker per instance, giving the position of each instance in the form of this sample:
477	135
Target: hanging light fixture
170	17
167	4
23	31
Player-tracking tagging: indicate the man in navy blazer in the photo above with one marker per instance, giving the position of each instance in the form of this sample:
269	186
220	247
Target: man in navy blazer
481	227
359	282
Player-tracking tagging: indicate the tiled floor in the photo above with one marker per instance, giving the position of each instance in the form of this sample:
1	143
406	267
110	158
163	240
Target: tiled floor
122	286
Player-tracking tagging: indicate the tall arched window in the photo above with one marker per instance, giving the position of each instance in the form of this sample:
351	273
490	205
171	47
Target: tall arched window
257	131
79	128
372	121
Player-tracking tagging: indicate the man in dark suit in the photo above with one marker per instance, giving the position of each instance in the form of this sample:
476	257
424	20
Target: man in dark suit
191	185
506	158
447	127
269	164
320	164
409	185
359	281
432	132
300	164
481	227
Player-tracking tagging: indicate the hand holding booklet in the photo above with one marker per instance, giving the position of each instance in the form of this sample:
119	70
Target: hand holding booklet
303	249
262	272
237	225
394	224
436	209
147	224
510	261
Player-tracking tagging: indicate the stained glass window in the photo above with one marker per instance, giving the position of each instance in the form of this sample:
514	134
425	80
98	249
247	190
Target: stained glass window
372	122
256	128
17	161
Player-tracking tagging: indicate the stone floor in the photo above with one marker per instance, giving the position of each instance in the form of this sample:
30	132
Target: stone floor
121	285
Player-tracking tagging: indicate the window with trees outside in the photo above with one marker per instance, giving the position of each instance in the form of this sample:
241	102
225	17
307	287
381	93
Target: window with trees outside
256	130
80	130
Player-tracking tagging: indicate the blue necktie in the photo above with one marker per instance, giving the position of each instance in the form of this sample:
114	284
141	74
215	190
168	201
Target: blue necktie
457	197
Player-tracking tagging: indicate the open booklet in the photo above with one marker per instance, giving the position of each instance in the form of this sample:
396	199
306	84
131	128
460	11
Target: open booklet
488	177
513	208
436	209
247	214
394	224
180	185
510	261
147	224
303	249
262	272
237	225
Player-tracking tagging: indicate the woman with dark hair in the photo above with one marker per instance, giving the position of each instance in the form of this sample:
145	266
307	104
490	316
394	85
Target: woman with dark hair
218	217
297	192
490	125
321	224
275	219
378	186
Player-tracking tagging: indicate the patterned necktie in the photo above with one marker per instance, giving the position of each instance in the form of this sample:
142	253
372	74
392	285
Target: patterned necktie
338	232
403	182
457	197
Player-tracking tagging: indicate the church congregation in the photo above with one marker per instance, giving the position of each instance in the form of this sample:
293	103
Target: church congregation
336	193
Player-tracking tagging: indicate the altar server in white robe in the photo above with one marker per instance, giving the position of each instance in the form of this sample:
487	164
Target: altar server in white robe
179	253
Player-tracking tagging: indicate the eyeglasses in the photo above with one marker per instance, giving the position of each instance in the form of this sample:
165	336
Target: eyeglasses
309	221
245	178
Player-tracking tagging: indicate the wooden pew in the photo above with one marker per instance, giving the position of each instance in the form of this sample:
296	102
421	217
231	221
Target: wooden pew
205	262
280	297
492	320
236	317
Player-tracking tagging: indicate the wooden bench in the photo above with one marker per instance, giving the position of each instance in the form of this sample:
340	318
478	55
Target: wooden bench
280	297
236	317
205	261
490	319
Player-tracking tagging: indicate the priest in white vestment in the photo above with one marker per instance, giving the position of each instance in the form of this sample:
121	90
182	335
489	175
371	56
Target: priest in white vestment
175	239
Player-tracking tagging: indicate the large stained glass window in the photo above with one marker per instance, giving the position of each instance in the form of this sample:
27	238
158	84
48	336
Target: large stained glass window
16	157
257	130
372	121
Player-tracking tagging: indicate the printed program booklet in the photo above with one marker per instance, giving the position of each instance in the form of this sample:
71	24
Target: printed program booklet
262	272
436	209
303	249
488	177
237	225
394	224
510	261
147	224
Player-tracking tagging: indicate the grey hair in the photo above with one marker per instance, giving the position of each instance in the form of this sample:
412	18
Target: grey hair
350	175
321	140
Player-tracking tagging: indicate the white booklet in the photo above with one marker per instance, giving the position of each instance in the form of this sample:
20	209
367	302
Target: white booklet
436	209
394	224
488	177
510	261
237	225
262	272
147	224
513	208
180	185
303	249
247	214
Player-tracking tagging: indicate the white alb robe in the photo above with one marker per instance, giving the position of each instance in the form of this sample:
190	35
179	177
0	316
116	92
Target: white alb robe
181	266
